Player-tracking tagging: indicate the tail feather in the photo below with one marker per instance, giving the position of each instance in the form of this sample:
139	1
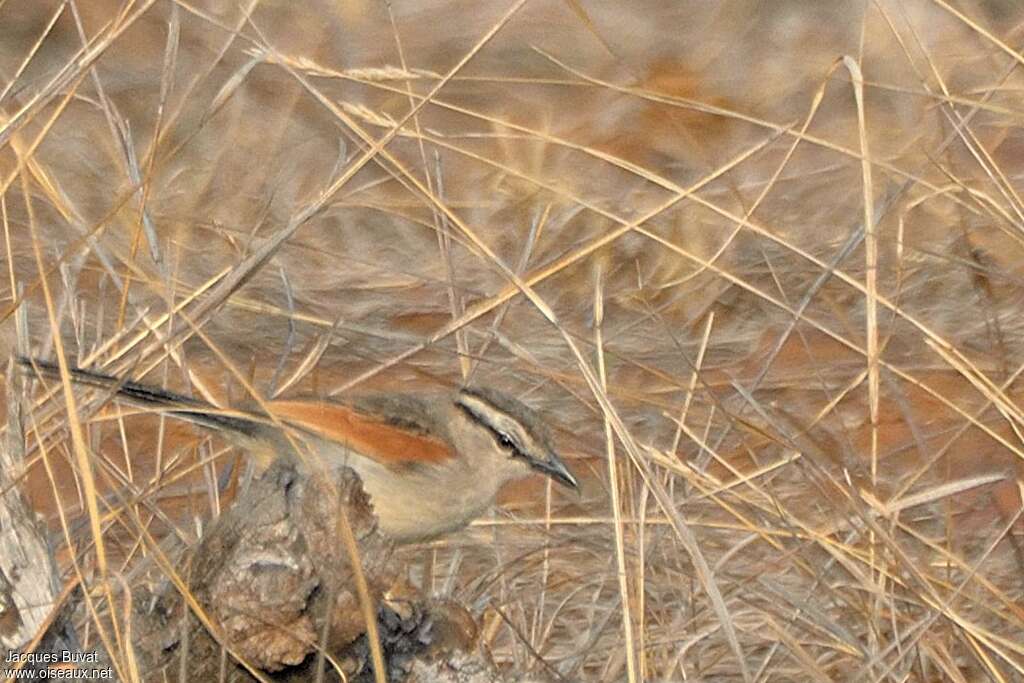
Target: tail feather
193	410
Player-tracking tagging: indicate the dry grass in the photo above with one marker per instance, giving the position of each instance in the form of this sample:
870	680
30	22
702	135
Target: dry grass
760	263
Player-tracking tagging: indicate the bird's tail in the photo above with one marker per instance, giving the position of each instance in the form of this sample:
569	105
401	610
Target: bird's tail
184	407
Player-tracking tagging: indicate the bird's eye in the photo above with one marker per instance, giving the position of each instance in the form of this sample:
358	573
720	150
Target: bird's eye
505	442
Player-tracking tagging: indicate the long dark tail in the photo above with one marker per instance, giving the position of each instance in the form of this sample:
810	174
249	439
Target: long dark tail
186	408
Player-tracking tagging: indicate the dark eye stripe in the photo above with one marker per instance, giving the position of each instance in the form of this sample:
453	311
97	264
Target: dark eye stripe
507	442
503	439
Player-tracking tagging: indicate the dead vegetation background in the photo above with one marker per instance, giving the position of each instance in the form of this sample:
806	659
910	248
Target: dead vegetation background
760	263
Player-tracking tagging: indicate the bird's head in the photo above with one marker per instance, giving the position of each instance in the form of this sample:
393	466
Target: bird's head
515	433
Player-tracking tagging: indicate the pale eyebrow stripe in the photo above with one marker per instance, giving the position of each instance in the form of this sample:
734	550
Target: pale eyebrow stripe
515	433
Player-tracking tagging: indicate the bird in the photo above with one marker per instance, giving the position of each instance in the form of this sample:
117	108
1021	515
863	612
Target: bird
430	463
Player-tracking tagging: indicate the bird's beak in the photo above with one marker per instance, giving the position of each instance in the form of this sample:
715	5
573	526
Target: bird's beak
556	469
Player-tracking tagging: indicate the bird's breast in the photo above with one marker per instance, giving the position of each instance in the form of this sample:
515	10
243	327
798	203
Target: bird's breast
419	502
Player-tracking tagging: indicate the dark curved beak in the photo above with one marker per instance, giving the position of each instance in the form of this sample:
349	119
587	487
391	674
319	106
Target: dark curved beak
556	469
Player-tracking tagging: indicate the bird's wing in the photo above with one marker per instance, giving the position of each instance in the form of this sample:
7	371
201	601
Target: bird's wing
374	437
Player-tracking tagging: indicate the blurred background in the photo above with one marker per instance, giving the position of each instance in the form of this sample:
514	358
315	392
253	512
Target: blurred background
775	252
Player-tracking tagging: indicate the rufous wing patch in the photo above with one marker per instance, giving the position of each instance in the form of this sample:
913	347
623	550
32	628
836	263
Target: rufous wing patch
387	444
